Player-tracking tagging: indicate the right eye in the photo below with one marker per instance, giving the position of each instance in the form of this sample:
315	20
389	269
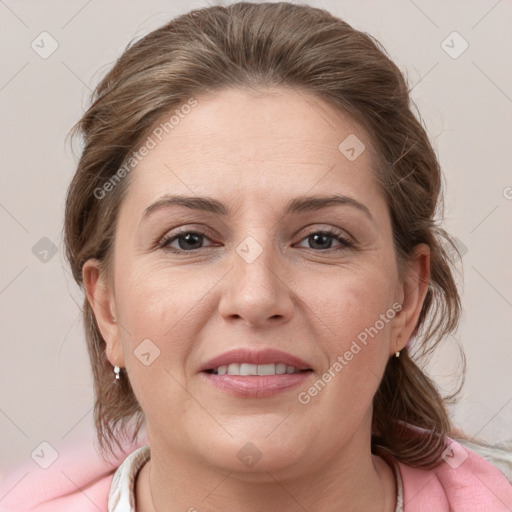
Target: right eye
187	241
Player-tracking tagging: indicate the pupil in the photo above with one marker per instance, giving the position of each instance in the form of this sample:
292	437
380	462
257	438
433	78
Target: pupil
189	239
321	237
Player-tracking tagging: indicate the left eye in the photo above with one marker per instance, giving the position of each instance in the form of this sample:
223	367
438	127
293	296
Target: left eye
189	241
323	238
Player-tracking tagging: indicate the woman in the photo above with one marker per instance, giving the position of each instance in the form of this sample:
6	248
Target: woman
252	220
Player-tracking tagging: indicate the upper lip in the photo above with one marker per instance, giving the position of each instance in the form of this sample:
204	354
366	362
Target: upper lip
245	355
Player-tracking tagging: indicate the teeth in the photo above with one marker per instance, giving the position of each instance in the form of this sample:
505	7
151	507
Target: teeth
255	369
280	368
248	369
233	369
266	369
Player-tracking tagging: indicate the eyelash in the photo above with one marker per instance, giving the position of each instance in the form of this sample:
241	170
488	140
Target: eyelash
345	242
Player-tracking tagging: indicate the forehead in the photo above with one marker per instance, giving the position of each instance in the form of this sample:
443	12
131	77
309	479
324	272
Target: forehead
255	144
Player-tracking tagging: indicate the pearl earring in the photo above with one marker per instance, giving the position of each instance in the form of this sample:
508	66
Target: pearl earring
116	371
397	354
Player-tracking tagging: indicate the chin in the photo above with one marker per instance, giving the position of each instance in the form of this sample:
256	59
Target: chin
253	455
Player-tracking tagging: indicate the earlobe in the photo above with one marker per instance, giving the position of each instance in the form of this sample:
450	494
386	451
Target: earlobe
101	300
413	291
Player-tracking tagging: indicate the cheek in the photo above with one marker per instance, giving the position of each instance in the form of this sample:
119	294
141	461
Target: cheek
154	298
163	311
157	306
349	300
353	314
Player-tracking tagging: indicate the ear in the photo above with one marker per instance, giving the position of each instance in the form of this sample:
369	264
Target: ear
101	298
411	294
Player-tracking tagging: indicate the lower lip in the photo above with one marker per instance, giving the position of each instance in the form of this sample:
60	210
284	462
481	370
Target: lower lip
255	385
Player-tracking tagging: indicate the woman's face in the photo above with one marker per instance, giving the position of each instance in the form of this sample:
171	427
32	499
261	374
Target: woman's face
267	278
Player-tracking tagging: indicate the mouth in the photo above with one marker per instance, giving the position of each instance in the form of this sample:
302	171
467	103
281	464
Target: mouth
246	369
249	373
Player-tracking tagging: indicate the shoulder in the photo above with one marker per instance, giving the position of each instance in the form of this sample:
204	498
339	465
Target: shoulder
78	479
464	481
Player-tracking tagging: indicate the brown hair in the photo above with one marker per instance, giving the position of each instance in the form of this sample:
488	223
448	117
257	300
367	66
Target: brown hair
267	45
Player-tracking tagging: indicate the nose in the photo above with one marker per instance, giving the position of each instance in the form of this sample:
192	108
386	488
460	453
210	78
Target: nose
257	291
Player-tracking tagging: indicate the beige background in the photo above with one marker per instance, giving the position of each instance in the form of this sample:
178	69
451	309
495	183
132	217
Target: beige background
466	104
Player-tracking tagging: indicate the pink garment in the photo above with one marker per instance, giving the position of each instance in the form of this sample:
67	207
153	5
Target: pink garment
80	481
465	482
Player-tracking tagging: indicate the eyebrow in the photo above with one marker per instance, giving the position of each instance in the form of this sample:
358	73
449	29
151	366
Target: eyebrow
297	205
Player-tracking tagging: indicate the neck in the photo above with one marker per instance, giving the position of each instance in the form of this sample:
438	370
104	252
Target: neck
171	482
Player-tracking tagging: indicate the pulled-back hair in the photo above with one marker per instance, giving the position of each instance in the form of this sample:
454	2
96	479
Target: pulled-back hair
259	46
